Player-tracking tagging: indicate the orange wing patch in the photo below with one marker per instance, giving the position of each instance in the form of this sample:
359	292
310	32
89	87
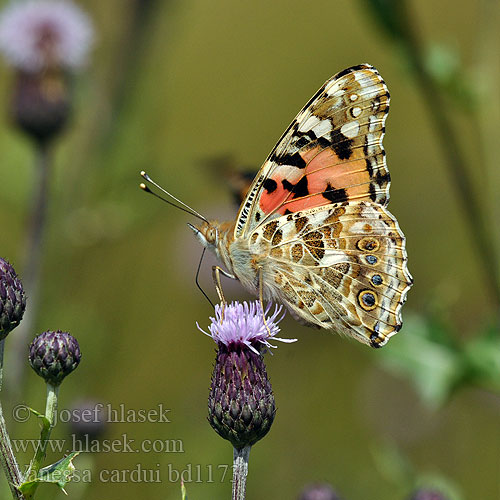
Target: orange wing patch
325	179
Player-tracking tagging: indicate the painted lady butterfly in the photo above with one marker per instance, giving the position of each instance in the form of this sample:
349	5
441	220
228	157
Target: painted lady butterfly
313	231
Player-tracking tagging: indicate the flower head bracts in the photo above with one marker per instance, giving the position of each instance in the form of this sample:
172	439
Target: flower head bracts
243	324
37	34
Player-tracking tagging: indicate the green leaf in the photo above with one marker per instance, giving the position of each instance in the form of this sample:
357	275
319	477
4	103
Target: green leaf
42	417
483	358
58	473
434	367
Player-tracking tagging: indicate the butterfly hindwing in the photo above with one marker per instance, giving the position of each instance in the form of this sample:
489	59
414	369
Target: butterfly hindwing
341	267
331	153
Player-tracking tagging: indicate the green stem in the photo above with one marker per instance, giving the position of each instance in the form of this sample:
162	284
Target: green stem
7	458
452	150
240	472
32	263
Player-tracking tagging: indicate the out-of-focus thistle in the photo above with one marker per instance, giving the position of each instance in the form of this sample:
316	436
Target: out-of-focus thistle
88	421
319	492
427	494
54	355
46	41
241	405
12	299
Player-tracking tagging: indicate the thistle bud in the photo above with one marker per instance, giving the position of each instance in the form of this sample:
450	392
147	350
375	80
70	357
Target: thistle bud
12	299
54	355
241	405
40	104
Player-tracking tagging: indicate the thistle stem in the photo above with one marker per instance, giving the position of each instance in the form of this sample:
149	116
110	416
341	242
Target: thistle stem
50	414
240	472
7	458
454	158
32	261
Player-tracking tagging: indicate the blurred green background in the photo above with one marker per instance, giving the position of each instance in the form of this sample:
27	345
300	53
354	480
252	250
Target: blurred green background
173	85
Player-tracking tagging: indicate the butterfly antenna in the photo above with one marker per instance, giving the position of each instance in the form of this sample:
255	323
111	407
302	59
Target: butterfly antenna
183	207
197	279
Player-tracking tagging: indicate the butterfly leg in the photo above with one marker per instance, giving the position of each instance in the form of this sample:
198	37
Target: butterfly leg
261	300
216	272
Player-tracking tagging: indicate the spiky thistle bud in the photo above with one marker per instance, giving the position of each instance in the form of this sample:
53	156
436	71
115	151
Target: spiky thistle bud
318	492
12	299
241	405
427	494
54	355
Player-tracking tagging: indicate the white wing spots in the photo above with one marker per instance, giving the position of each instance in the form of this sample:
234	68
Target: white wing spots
353	97
322	128
350	129
309	124
333	91
356	111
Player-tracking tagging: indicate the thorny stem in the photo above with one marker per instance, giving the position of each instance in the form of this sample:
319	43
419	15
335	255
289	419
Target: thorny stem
7	458
33	259
240	472
456	164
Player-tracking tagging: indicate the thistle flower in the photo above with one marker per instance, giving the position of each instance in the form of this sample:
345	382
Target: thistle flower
12	299
88	420
427	494
54	355
241	403
319	492
45	40
39	34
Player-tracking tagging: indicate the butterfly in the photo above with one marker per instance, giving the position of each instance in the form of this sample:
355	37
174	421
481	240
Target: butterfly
313	231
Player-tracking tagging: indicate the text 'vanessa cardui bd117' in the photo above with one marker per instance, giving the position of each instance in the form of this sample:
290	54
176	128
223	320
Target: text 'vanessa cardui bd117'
313	231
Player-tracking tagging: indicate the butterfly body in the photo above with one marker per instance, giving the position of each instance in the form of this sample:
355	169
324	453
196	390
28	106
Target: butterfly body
314	232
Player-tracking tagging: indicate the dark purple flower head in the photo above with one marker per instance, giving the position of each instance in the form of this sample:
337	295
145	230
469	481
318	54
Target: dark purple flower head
12	299
54	355
319	492
241	405
88	420
427	494
243	324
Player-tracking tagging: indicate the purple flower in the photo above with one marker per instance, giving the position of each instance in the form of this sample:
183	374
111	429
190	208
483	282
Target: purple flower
37	34
243	324
319	492
241	405
427	494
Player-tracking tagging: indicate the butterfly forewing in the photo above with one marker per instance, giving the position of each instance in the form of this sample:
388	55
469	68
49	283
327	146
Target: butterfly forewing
332	152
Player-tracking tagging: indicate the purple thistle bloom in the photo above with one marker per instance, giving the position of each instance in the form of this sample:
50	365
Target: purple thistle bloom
241	405
37	34
319	492
427	494
243	324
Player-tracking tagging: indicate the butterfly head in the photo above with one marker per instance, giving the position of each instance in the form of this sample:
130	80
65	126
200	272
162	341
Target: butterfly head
207	234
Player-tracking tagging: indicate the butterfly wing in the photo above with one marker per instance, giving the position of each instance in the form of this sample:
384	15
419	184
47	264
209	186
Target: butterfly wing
332	152
340	267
